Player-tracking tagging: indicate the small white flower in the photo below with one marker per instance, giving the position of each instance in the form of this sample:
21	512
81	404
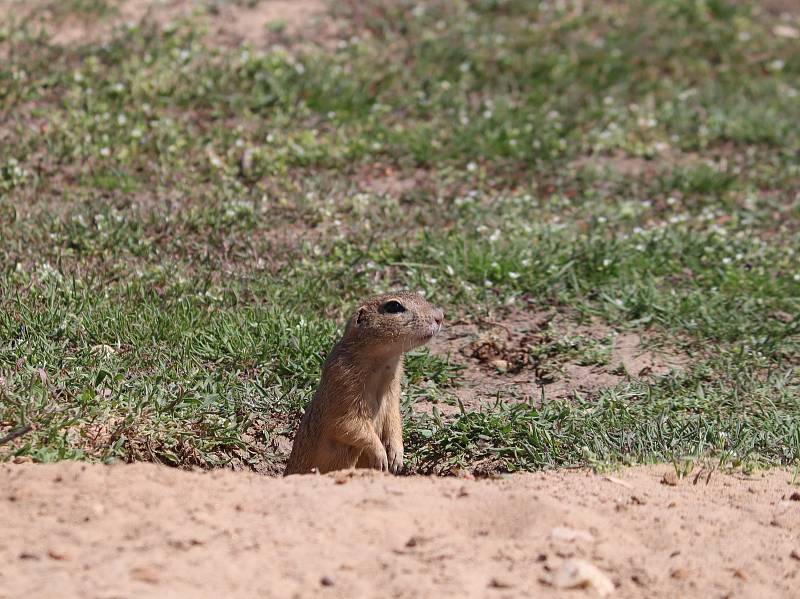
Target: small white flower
776	65
464	67
122	119
472	167
606	262
487	283
105	152
797	277
450	271
726	260
513	276
487	114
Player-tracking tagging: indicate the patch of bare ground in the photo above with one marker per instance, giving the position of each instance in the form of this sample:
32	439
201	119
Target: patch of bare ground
81	530
261	23
540	356
778	8
624	164
385	180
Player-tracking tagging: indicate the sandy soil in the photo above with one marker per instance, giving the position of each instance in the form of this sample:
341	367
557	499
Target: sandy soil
229	23
78	530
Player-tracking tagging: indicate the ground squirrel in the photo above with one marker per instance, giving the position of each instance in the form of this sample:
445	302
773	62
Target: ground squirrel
354	418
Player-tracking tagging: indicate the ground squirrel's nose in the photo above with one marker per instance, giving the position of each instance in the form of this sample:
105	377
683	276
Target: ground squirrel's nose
438	316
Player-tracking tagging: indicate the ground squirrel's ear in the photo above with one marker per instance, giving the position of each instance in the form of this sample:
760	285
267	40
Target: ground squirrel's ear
360	315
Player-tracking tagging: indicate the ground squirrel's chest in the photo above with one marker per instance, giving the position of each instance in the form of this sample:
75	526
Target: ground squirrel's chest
380	386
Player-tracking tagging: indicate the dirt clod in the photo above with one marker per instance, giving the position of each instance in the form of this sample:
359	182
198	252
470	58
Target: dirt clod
679	574
580	574
669	479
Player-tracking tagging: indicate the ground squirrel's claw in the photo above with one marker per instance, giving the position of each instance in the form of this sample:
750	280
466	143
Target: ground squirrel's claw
395	459
381	461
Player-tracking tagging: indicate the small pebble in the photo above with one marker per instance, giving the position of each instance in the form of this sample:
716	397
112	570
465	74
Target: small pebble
500	583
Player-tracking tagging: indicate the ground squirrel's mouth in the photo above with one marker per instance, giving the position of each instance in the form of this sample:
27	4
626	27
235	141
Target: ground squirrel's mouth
430	333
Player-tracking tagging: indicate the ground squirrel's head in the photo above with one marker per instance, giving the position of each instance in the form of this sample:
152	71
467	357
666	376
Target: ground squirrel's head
394	322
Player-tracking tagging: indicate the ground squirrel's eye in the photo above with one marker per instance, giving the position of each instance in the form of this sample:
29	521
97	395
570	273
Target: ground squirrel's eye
393	307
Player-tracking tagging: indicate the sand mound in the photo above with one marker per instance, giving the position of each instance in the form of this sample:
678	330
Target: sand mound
78	530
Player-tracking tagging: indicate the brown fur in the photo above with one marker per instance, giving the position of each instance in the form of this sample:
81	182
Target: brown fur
354	418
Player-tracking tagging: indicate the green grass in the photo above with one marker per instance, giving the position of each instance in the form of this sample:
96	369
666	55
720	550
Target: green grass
186	225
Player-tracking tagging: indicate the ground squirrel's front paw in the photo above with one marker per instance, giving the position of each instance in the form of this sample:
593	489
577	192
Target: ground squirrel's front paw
379	461
395	455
